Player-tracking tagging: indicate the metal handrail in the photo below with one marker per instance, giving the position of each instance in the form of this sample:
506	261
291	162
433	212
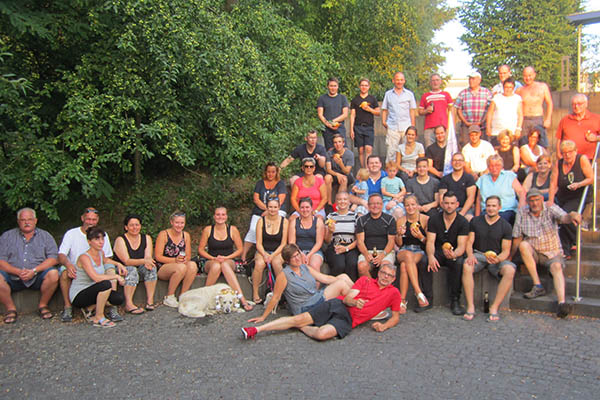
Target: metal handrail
577	298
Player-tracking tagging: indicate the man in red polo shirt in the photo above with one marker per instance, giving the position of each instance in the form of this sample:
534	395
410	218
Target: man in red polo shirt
582	127
337	317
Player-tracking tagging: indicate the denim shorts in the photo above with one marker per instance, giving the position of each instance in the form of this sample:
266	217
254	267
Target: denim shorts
413	248
17	284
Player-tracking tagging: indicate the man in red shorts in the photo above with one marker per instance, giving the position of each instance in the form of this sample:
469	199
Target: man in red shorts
336	317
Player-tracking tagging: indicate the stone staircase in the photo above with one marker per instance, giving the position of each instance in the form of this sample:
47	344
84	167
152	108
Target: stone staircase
589	304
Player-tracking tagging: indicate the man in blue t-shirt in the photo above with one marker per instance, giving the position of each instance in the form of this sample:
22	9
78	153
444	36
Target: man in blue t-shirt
332	109
374	181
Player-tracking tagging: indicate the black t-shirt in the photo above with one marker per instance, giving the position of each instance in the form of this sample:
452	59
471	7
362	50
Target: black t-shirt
437	154
376	230
460	227
300	152
363	117
459	187
489	237
264	194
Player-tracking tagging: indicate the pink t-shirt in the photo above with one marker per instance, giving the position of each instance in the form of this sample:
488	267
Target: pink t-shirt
440	102
312	192
378	299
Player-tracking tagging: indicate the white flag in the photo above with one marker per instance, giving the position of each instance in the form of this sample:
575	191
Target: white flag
451	146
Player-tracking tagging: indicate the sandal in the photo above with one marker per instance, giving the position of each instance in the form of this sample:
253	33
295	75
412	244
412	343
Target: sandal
104	323
135	311
45	313
468	316
150	307
10	317
422	300
248	306
258	301
403	305
493	317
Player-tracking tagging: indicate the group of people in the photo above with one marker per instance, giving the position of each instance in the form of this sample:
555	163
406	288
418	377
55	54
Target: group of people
497	206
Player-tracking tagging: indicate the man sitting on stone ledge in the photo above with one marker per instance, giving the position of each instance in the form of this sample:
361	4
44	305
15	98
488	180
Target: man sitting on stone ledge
535	235
367	298
488	246
27	257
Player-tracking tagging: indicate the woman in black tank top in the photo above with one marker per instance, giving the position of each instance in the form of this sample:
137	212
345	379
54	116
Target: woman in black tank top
412	233
220	244
138	261
541	179
271	236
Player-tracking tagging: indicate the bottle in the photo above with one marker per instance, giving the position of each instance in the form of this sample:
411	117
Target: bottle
374	252
486	303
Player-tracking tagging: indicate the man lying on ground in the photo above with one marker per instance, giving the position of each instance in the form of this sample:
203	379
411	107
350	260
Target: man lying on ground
335	317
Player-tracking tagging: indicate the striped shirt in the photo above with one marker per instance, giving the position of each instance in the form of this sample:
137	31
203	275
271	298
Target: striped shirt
541	232
344	227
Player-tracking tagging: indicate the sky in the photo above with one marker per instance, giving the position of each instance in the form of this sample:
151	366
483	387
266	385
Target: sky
458	59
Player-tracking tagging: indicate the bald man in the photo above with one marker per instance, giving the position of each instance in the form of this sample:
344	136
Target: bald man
504	73
398	112
581	126
534	94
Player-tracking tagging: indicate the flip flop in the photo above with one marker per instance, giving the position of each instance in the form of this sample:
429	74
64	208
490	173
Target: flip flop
248	307
45	313
469	316
135	311
495	317
10	317
258	301
403	305
422	300
150	307
104	323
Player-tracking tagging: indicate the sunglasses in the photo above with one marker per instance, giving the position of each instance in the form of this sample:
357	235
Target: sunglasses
309	166
90	210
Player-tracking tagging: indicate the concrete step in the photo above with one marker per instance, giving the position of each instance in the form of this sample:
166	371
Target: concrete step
589	288
588	307
589	269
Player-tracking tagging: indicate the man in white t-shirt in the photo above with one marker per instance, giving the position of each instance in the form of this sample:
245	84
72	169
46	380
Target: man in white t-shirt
505	113
476	153
74	244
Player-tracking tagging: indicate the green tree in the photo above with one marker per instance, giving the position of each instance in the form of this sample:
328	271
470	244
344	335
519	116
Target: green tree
520	33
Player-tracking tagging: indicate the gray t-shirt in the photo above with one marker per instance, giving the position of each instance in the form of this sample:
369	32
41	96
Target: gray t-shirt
347	159
425	192
301	290
332	106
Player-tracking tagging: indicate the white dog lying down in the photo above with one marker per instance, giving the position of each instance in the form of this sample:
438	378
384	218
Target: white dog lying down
209	300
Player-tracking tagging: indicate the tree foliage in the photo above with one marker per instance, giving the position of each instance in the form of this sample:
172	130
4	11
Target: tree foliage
520	33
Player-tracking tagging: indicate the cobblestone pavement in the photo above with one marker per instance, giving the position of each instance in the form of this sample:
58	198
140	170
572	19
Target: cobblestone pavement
160	355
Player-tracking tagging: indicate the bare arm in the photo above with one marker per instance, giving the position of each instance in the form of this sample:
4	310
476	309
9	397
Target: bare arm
519	191
286	162
203	242
549	107
471	191
384	115
352	117
413	116
294	197
516	158
490	116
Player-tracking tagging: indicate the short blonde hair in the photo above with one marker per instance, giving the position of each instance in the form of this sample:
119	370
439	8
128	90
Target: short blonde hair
567	145
362	174
504	134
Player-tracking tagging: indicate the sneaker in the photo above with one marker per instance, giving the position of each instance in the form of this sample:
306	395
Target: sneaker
171	301
113	314
419	309
249	332
382	315
563	310
535	292
67	314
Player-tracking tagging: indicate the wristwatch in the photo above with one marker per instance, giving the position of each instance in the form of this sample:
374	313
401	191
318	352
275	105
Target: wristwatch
34	272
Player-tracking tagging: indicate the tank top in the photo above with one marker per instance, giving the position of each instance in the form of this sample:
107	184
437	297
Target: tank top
508	157
271	242
171	249
565	195
306	238
82	279
545	185
301	290
220	247
138	253
409	240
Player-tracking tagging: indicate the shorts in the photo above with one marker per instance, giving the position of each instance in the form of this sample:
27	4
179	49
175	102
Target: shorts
317	253
391	256
364	135
18	285
493	269
413	248
314	301
335	313
547	262
251	235
135	274
391	210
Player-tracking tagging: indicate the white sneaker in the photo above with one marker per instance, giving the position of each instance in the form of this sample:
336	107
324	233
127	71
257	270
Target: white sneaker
171	301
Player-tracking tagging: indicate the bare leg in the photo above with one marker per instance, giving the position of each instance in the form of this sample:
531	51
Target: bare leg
65	285
403	280
363	269
101	300
213	269
173	273
232	280
528	256
128	291
361	156
150	289
315	262
319	332
281	324
559	281
468	283
5	297
340	287
246	249
191	269
257	275
329	183
508	274
48	287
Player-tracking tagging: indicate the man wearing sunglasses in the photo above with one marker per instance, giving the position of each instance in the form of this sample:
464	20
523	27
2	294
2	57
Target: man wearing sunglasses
337	317
74	244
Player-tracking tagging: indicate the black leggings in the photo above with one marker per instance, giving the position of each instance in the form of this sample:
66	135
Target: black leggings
89	295
342	263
